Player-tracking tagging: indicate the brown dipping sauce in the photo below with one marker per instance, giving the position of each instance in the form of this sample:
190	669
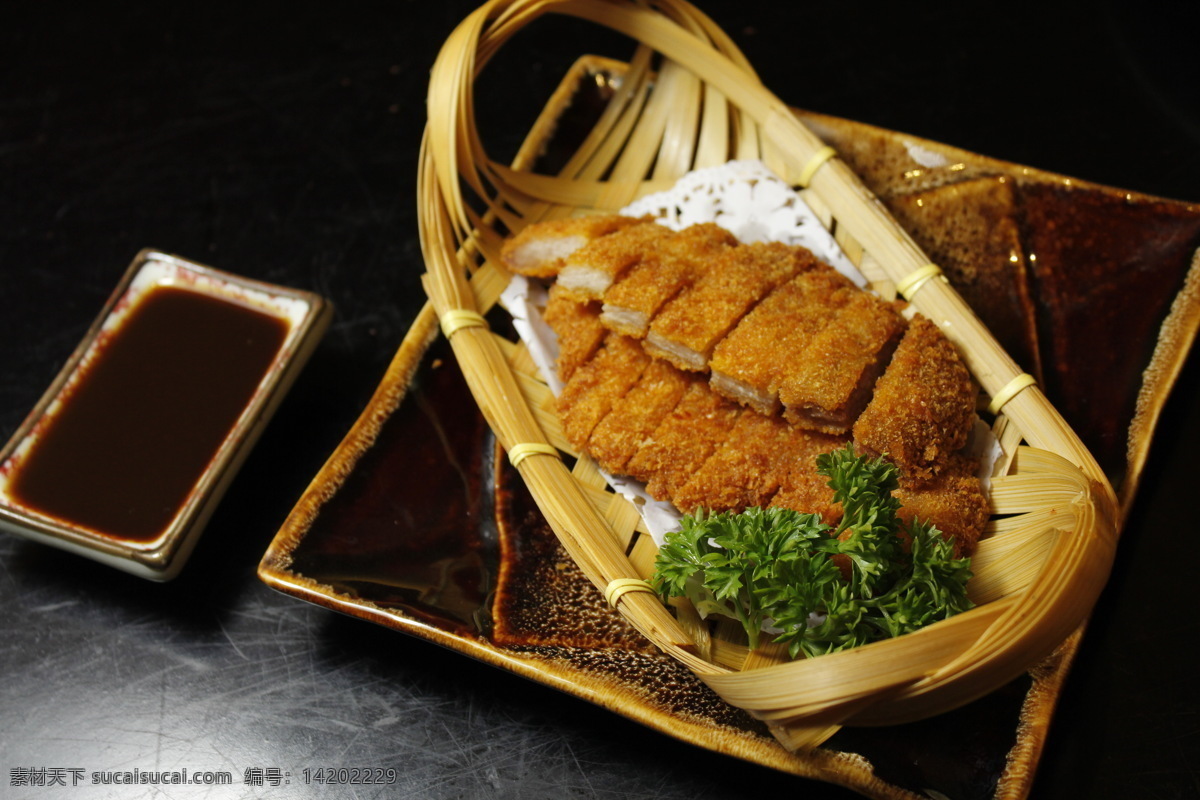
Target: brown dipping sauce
147	415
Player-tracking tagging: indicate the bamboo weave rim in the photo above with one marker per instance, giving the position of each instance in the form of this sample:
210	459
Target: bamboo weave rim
1051	542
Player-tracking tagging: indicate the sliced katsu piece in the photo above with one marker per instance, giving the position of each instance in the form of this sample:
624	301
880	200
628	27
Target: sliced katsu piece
954	501
687	329
801	487
923	406
540	249
632	419
595	386
744	471
590	270
757	357
577	325
834	374
675	263
683	441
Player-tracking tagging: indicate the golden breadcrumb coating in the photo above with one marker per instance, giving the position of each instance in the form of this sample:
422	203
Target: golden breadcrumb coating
687	329
752	362
832	381
683	440
744	471
632	419
674	264
540	249
801	487
923	407
954	501
577	324
599	383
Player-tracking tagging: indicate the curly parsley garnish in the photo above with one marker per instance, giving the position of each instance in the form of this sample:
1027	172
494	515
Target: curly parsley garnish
775	567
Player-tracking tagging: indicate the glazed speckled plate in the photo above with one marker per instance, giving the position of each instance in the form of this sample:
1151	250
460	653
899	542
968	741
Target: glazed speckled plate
1046	262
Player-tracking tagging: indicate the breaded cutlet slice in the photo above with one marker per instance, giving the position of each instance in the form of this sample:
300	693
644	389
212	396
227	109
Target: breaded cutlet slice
587	397
540	249
633	418
801	487
675	263
592	269
954	501
835	373
683	440
687	329
923	407
756	358
744	471
576	323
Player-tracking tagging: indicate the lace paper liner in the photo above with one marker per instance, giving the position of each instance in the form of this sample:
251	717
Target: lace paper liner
751	202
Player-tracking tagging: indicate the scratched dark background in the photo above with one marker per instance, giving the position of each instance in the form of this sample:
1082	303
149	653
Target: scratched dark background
280	141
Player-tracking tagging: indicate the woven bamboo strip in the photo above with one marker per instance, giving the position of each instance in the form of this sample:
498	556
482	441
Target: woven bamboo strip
677	145
1009	565
690	620
1014	494
623	519
845	676
1001	528
642	555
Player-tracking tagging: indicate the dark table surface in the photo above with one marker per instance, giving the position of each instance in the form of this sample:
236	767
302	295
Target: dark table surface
280	141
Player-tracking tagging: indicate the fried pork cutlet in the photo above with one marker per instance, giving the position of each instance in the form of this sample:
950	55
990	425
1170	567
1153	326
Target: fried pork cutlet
632	419
687	329
834	374
591	269
577	324
683	440
781	326
757	357
596	385
954	501
923	407
541	249
674	264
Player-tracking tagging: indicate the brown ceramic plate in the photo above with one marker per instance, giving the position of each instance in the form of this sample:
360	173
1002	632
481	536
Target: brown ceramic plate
1045	261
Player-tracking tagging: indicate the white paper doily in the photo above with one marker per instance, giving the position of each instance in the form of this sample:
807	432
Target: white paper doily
751	202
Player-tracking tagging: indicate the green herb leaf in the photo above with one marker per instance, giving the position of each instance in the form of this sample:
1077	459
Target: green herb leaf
773	567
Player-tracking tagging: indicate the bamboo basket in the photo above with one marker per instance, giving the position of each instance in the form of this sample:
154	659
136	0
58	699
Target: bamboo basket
687	100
